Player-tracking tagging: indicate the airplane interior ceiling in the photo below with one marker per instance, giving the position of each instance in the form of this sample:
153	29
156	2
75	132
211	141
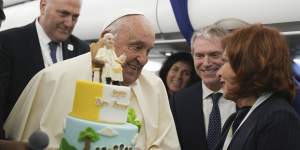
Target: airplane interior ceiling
7	3
283	14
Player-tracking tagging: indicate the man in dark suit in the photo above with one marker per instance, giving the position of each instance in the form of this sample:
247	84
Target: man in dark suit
193	106
26	50
2	17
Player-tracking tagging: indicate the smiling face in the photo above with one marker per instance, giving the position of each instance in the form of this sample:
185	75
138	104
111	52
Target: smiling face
207	56
134	38
58	17
227	77
178	76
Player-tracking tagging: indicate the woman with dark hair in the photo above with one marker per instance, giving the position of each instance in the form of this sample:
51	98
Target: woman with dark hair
257	76
178	72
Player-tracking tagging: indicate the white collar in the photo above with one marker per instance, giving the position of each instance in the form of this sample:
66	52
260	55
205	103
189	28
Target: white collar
206	92
44	39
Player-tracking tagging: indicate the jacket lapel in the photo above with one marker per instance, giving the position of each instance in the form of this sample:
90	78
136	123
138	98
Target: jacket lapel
190	118
225	132
68	49
197	116
241	135
33	46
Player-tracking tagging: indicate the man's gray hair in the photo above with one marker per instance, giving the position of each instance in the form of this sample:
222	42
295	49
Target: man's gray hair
210	32
230	24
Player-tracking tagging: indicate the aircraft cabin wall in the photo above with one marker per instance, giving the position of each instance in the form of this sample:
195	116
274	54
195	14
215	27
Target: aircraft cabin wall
282	14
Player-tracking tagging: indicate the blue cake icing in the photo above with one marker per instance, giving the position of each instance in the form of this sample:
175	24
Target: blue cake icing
106	136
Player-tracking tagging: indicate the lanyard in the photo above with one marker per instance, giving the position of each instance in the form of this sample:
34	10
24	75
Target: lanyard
258	102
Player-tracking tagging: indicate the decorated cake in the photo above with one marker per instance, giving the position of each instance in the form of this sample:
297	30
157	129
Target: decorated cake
100	118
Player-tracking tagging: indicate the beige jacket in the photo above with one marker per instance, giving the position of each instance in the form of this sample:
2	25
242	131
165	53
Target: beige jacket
48	98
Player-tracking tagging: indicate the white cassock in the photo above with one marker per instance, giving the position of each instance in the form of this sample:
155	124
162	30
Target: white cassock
48	98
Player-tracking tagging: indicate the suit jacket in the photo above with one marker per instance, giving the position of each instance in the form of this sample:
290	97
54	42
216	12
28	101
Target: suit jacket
21	58
186	107
48	98
274	125
296	73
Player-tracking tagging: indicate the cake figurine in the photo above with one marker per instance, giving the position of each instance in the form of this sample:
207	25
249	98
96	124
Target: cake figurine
105	61
100	118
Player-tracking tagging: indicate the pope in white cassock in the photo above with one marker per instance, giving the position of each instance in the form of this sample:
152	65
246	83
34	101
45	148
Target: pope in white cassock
48	97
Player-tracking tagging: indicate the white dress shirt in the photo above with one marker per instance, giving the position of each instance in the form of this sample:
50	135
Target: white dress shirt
227	107
44	44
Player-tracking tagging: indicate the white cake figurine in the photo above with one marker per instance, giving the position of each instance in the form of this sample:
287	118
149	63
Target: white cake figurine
107	62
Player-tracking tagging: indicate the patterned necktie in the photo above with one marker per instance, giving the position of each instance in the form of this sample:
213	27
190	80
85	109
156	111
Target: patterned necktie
53	47
214	125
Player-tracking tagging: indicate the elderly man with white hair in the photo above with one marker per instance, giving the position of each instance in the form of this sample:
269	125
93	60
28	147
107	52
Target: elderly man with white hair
48	98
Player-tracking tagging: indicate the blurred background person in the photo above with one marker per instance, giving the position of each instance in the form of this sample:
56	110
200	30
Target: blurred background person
296	73
257	76
178	72
2	15
26	50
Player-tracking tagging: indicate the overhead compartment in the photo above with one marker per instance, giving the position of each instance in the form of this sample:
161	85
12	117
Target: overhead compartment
93	14
284	14
263	11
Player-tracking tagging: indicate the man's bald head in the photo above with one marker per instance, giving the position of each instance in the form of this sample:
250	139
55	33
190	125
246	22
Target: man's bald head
58	18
